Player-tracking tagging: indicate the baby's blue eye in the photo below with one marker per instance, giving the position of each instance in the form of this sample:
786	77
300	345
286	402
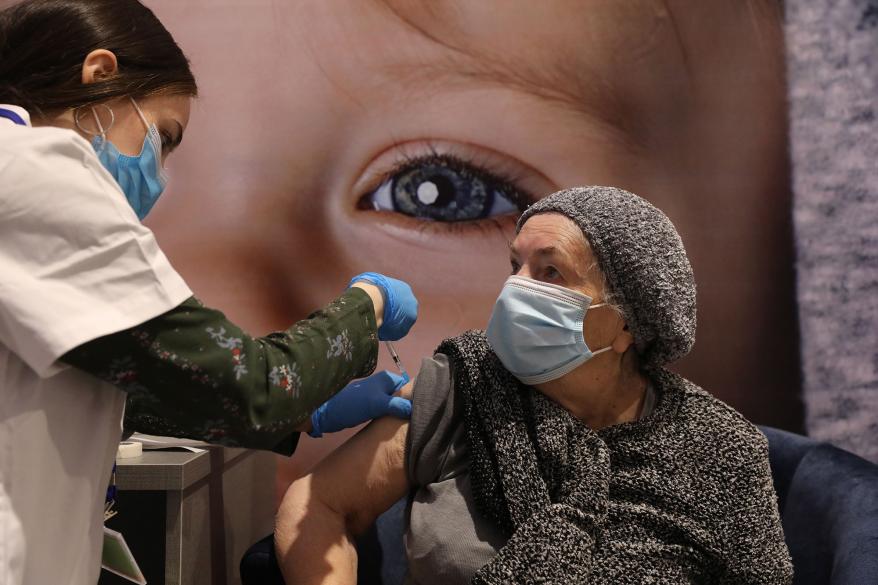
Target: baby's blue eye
444	188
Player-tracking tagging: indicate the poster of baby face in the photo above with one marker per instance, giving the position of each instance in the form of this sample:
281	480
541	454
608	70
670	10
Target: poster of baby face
333	138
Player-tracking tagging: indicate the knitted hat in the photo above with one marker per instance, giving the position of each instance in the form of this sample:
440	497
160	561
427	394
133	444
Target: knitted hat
643	259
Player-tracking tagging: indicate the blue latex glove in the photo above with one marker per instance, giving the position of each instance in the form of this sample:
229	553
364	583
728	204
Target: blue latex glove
362	401
400	305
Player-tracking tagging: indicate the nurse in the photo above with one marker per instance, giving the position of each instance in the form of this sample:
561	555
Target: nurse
94	96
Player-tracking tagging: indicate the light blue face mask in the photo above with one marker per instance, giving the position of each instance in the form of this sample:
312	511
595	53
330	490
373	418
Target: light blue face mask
536	329
140	177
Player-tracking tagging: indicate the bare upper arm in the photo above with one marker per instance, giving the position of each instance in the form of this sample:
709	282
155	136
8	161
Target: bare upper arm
406	391
359	480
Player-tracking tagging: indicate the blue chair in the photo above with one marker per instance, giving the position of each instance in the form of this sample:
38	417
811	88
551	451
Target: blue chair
828	500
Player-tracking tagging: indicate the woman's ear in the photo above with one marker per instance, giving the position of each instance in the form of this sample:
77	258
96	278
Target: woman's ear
623	341
98	65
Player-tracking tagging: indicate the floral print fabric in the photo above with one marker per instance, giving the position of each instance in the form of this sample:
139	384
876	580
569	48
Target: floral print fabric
192	373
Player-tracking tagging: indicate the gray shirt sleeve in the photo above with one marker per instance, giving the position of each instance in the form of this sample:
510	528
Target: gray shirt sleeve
446	539
434	429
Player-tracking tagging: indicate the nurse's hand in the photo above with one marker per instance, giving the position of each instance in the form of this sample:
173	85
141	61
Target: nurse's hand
400	305
362	401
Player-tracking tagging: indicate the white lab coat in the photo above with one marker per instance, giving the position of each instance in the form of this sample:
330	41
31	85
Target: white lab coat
75	264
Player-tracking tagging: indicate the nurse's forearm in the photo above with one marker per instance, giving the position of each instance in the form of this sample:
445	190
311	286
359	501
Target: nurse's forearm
190	372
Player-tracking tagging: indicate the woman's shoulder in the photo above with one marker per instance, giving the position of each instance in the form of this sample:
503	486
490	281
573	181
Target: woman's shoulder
435	429
470	349
716	454
51	156
702	418
53	176
39	143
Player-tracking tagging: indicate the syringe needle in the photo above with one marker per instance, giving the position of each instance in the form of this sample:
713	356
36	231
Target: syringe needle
396	359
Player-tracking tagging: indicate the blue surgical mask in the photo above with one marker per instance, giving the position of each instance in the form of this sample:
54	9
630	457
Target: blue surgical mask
140	177
536	329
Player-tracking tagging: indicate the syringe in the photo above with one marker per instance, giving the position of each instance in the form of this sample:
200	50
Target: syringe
396	359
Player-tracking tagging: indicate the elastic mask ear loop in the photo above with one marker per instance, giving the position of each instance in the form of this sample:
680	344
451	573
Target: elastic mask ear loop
152	135
102	132
609	347
140	113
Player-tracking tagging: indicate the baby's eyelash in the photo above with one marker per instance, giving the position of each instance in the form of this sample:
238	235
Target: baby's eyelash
504	183
488	227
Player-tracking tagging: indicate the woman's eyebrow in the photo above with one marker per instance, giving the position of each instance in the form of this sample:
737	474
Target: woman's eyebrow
550	252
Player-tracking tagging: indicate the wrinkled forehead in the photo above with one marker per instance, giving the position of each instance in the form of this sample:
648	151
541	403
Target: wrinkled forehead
590	56
555	232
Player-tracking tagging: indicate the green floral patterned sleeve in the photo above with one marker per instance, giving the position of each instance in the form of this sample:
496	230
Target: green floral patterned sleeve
192	373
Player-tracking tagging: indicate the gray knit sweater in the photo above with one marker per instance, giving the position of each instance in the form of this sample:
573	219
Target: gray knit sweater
683	495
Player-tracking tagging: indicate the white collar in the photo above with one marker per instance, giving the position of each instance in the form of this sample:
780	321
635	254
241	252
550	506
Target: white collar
18	110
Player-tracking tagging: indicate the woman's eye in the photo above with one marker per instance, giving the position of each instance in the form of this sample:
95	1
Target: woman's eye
445	188
552	273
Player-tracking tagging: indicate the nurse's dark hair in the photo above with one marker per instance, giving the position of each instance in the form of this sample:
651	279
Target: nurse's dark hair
43	44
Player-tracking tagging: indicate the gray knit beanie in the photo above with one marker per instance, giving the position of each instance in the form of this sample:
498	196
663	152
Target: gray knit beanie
643	259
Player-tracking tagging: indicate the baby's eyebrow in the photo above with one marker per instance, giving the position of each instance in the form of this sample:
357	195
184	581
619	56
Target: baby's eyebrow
573	86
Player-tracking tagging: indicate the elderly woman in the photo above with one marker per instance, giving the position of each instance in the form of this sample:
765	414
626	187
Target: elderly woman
555	447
